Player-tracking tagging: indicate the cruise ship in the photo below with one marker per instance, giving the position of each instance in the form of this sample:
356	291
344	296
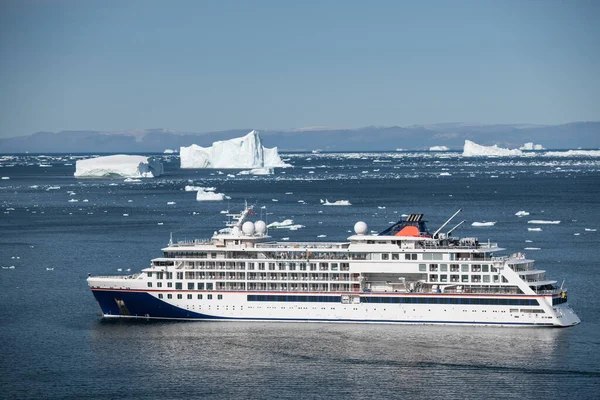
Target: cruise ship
404	274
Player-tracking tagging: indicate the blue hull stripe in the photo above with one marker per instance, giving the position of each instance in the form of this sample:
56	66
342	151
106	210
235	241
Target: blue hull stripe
144	305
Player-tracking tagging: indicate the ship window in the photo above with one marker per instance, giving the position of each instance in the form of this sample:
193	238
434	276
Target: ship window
271	266
292	266
250	266
485	268
313	266
422	267
219	297
433	278
199	297
433	267
261	266
158	284
209	296
444	267
453	278
213	255
149	274
179	296
179	275
413	257
190	285
454	267
464	267
189	296
209	286
169	284
302	266
486	278
169	275
200	285
443	278
178	285
149	284
464	278
395	256
428	256
169	296
385	256
407	256
160	295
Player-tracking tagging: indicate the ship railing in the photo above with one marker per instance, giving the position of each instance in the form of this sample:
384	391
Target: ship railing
134	276
437	246
550	292
191	242
302	245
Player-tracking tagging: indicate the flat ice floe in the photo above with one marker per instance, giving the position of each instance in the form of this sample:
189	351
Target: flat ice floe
336	203
590	229
285	224
472	149
532	248
257	171
534	229
543	222
521	213
204	195
5	178
484	223
119	166
438	148
243	152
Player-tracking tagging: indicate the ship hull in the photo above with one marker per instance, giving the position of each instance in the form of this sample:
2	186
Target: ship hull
328	307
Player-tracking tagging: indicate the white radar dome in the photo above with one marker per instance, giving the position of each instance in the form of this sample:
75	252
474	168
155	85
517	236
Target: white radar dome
360	228
260	227
235	231
248	228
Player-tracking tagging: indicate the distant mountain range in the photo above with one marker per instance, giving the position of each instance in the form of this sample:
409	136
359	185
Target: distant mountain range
371	138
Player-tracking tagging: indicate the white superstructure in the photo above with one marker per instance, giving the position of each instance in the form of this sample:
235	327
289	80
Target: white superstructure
402	275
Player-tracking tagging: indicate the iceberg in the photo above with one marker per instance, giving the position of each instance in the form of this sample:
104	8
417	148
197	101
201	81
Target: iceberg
473	149
203	195
531	146
521	213
336	203
491	223
243	152
170	151
438	148
119	166
573	153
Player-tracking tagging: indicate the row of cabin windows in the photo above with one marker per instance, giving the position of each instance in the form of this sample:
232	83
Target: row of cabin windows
190	285
451	300
457	268
396	256
399	300
190	296
465	278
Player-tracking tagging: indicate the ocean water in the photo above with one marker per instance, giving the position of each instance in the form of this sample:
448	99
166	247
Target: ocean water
54	344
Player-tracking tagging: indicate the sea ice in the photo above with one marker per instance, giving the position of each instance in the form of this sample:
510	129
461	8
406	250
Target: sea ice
532	248
257	171
483	223
438	148
170	203
590	229
321	236
119	165
521	213
170	151
573	153
472	149
541	221
534	229
244	152
336	203
445	174
531	146
5	178
205	195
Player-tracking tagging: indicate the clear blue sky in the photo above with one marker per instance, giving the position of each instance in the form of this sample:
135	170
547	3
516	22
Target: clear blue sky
198	66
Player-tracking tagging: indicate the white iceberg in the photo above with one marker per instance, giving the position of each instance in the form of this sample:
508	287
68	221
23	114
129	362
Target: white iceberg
573	153
170	151
473	149
257	171
531	146
438	148
483	223
284	223
120	166
541	221
336	203
590	229
244	152
205	195
521	213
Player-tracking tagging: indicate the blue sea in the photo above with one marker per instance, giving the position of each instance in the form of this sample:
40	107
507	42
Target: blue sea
55	345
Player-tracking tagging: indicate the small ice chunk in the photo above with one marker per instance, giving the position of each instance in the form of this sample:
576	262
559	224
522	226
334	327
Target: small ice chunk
543	222
489	223
590	229
126	215
521	213
534	229
170	203
5	178
532	248
321	236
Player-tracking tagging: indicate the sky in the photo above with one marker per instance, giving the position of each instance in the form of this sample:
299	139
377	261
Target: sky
199	66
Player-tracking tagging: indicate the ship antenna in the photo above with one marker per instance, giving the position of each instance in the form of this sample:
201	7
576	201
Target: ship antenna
445	223
171	239
455	226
